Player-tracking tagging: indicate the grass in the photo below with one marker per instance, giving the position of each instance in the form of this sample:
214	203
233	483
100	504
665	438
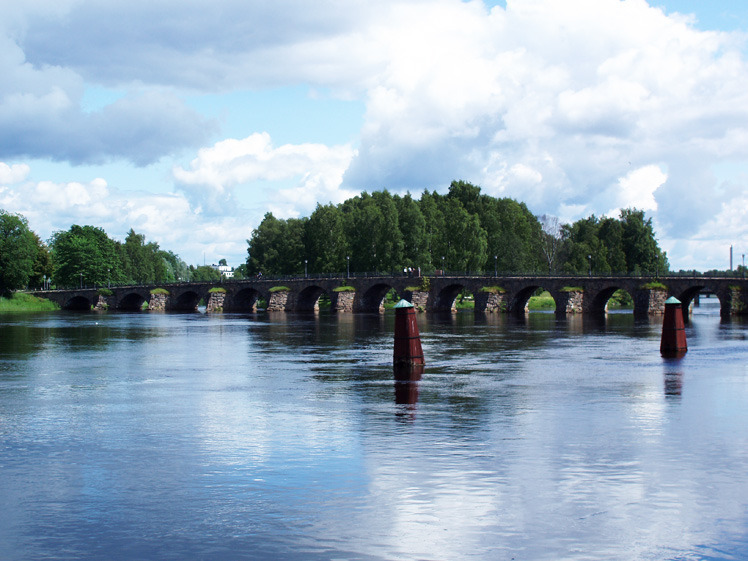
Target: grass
493	289
654	286
22	302
159	291
217	289
279	289
542	302
344	289
572	289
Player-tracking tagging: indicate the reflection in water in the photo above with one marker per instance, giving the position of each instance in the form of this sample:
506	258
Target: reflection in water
407	377
276	436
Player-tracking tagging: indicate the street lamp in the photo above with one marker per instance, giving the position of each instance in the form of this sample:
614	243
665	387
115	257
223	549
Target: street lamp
589	258
744	265
44	282
108	278
81	281
348	265
496	265
305	262
442	265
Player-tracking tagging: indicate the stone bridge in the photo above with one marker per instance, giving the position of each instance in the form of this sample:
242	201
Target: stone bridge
510	294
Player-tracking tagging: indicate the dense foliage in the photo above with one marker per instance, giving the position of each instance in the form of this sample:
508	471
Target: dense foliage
463	230
81	256
18	252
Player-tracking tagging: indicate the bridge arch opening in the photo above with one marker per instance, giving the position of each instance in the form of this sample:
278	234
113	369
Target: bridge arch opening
453	297
689	295
533	298
186	302
613	299
78	304
245	300
373	299
312	298
132	302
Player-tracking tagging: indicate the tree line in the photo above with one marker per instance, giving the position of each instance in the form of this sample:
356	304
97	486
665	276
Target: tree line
463	230
85	255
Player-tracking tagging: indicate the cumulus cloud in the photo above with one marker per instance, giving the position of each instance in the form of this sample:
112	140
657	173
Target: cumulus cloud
315	171
573	107
41	117
166	218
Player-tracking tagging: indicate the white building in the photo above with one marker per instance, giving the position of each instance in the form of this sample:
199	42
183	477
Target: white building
226	271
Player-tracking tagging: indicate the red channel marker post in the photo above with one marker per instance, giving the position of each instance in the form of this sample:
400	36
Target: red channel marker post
407	339
673	341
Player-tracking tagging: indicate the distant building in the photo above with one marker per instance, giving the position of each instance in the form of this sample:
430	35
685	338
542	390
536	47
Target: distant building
226	271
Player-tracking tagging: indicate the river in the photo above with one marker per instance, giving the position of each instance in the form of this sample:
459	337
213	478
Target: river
151	436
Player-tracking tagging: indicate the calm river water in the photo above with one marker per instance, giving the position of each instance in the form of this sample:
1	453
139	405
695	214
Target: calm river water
234	437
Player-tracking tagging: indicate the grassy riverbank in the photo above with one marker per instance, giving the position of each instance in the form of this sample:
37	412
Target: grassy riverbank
20	302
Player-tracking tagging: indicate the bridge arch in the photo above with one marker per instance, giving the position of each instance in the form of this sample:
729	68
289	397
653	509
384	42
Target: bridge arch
187	301
518	303
307	299
244	300
600	300
371	299
688	295
78	304
131	302
445	298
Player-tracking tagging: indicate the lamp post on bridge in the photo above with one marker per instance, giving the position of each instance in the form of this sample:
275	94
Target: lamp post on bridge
443	271
495	265
108	278
44	282
305	262
348	266
589	258
81	281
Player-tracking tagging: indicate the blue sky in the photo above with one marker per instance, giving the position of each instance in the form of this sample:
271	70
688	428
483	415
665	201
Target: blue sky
187	122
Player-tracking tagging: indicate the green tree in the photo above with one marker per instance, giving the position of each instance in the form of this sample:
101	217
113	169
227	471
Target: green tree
85	255
413	231
204	273
465	241
18	252
610	233
277	247
326	246
142	262
176	269
429	205
643	254
43	265
371	226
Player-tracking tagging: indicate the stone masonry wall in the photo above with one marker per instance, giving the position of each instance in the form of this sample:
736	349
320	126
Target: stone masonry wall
342	301
215	302
569	302
419	300
158	302
490	302
649	301
278	301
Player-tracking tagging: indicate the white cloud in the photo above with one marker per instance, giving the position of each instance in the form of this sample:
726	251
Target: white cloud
244	164
167	219
637	189
14	173
570	106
